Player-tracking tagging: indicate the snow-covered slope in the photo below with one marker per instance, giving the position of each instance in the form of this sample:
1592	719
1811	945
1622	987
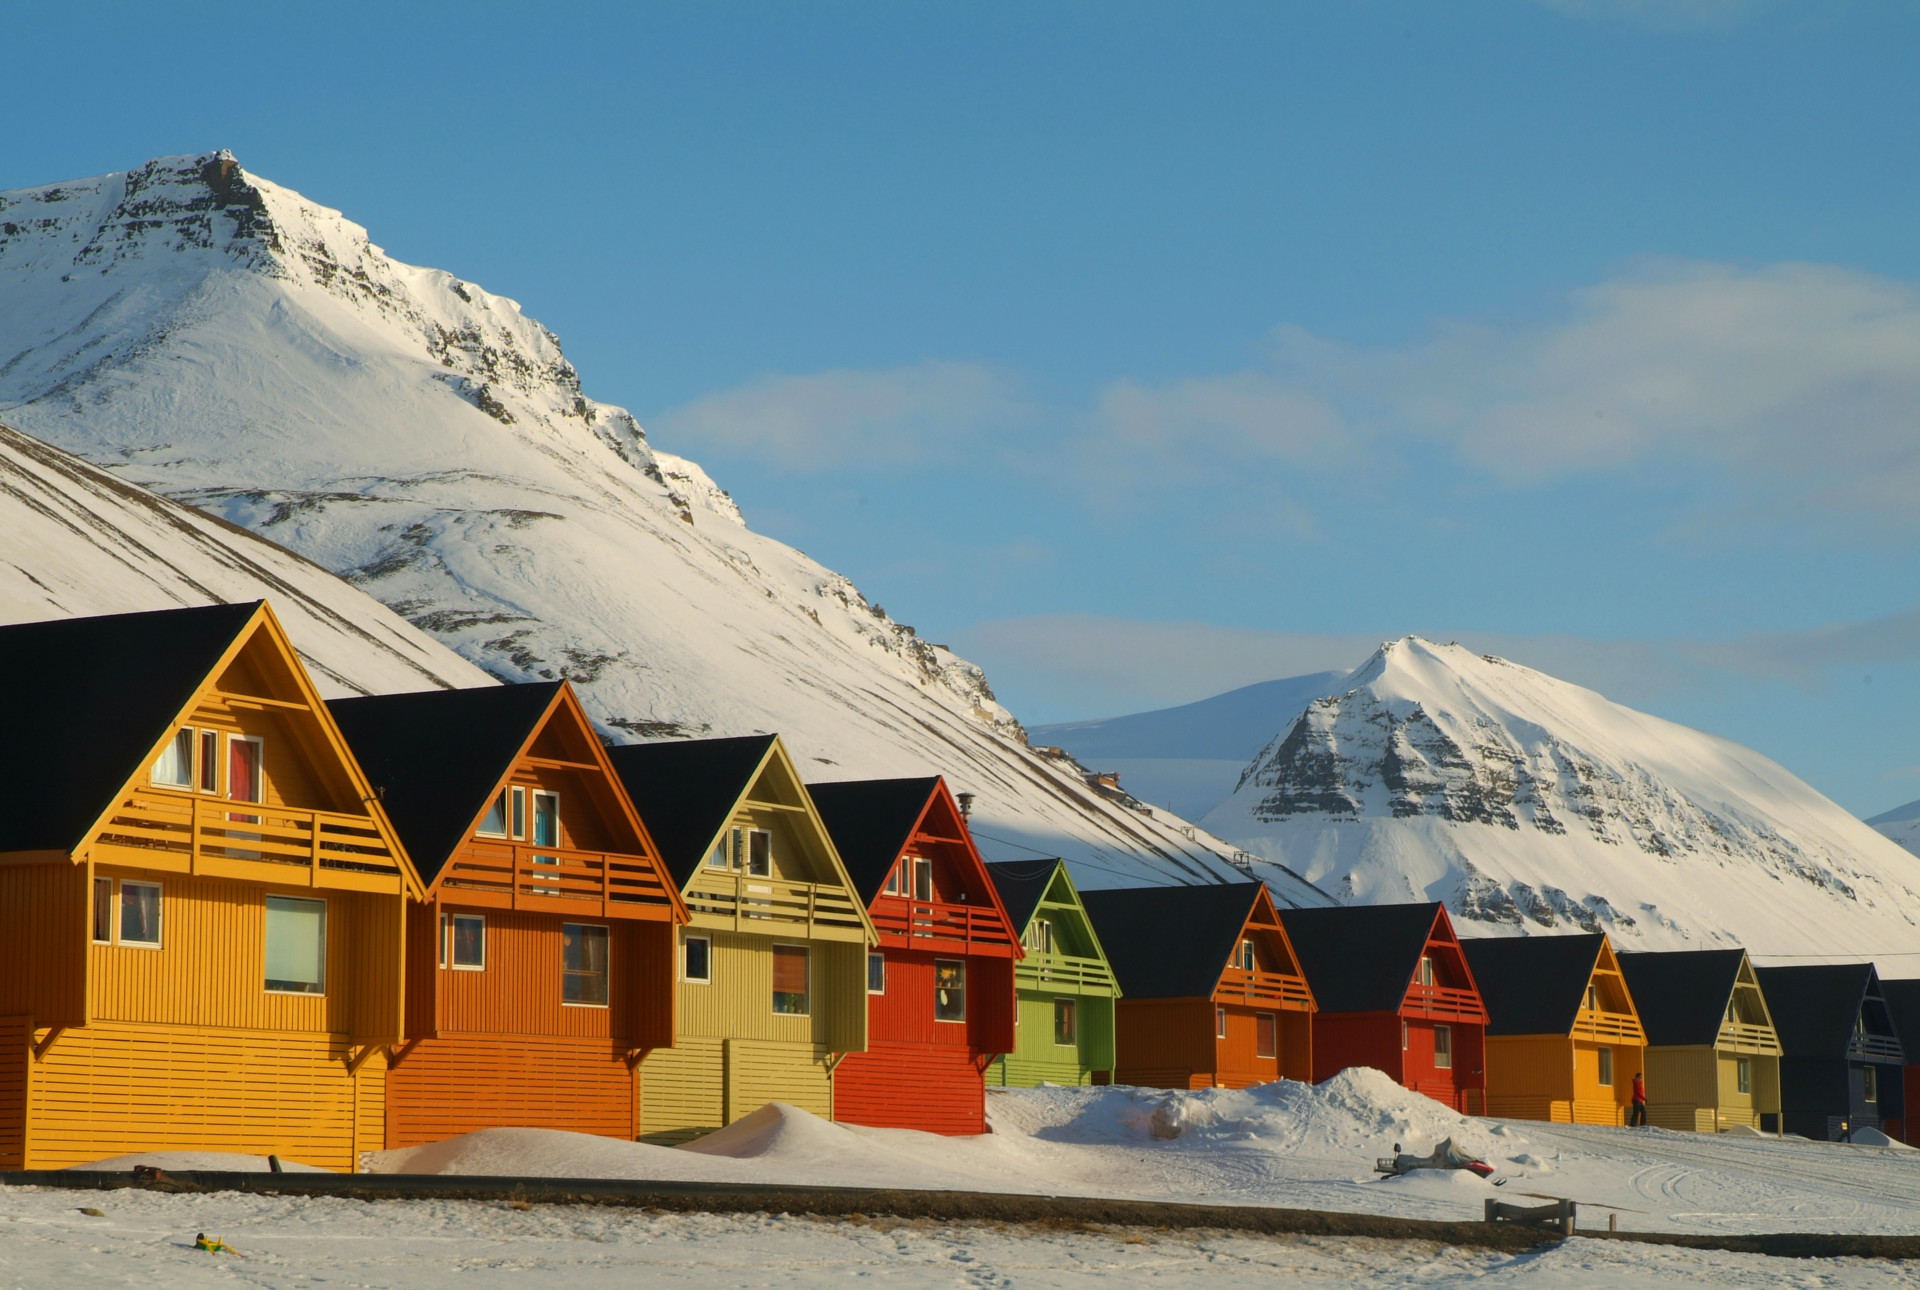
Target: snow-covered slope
1902	824
1530	805
234	346
76	540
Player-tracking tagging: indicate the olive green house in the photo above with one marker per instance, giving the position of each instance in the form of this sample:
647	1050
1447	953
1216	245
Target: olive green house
1064	988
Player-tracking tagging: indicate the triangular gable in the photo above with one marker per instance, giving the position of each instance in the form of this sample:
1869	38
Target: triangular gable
1274	954
1171	942
259	670
1533	985
1614	998
1443	945
1031	889
1746	1019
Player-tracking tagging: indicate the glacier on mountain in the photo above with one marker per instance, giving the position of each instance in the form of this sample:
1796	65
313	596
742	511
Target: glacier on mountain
226	342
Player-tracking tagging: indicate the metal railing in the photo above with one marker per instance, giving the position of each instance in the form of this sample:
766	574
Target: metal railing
216	836
751	903
1237	985
520	875
939	925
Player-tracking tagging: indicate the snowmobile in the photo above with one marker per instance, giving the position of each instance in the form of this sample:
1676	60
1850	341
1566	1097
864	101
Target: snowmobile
1444	1157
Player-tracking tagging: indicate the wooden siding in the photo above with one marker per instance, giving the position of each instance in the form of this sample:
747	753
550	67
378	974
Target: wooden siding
44	920
683	1090
16	1052
1164	1043
938	1089
1530	1077
459	1083
1037	1059
738	1003
1343	1039
519	992
113	1088
760	1071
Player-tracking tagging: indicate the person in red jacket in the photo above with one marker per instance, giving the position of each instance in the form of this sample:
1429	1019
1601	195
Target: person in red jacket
1638	1114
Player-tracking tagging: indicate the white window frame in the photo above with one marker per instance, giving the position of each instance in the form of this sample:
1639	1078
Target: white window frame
1606	1067
960	1020
1743	1075
207	759
893	881
1425	973
873	957
1438	1031
722	852
1273	1018
505	830
533	814
259	769
922	865
1219	1022
688	977
193	744
326	933
806	953
120	914
451	961
1406	1037
747	857
585	1003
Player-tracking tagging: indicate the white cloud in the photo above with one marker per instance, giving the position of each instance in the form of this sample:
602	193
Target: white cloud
894	416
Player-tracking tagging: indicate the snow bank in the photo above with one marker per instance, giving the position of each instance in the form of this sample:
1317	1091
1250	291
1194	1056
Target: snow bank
180	1161
547	1153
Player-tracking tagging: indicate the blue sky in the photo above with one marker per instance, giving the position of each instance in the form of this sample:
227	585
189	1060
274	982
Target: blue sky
1145	351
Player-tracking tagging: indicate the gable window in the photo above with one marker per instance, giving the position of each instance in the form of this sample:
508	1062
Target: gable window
467	942
696	960
1743	1074
245	774
893	882
1066	1027
760	853
1870	1083
103	910
174	769
140	913
922	878
517	812
721	857
1406	1037
790	980
1443	1048
1219	1023
583	964
1039	937
1606	1066
296	958
876	974
949	990
546	819
1247	960
1266	1035
1425	976
209	761
494	823
1593	998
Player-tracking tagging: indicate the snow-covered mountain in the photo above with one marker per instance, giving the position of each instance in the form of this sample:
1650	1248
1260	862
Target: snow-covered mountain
234	346
1532	805
1902	824
76	540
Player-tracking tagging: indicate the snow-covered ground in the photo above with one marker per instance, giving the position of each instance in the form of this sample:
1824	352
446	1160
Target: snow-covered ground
1282	1144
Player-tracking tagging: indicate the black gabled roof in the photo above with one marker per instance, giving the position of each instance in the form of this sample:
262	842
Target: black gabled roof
684	790
96	695
1814	1005
871	821
1169	942
435	757
1022	885
1533	985
1681	995
1903	1001
1360	958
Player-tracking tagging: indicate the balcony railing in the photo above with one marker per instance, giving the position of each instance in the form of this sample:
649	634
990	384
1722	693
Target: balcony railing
1041	970
939	925
1618	1026
216	837
1272	989
749	904
516	875
1444	1002
1741	1034
1874	1047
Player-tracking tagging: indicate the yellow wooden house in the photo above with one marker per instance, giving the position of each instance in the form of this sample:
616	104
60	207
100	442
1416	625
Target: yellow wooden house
202	915
1564	1040
1713	1056
772	964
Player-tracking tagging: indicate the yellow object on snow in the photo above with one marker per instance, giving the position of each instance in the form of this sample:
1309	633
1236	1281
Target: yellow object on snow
212	1244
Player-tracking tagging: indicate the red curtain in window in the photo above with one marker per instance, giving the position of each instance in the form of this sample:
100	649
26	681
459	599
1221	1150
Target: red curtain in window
243	770
789	969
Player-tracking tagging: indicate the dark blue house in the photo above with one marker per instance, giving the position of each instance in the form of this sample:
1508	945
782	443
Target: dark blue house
1842	1064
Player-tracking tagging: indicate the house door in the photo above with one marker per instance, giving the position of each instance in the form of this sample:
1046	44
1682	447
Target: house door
245	783
546	833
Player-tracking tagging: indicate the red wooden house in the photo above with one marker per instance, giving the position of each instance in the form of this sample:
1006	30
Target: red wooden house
540	964
1212	993
940	998
1395	993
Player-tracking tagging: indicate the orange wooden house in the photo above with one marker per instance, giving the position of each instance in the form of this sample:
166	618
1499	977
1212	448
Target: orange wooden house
940	1001
1564	1040
540	957
202	916
1212	992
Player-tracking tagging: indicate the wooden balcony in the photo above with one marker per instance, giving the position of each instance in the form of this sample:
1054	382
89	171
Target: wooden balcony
1874	1048
1608	1027
729	901
1746	1038
1263	990
935	925
1041	971
516	875
216	838
1444	1003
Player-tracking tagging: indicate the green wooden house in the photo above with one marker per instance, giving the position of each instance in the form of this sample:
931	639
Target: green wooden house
1064	987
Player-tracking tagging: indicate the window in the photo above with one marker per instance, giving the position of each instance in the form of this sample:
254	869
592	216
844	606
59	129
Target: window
1066	1030
103	909
1406	1039
1606	1066
876	974
721	857
1219	1023
296	945
760	853
1443	1048
1593	998
1743	1074
1870	1082
245	774
1266	1035
467	941
174	769
922	878
1426	970
949	990
517	804
140	913
209	761
583	964
893	882
494	823
790	980
1039	936
546	818
1246	956
696	960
